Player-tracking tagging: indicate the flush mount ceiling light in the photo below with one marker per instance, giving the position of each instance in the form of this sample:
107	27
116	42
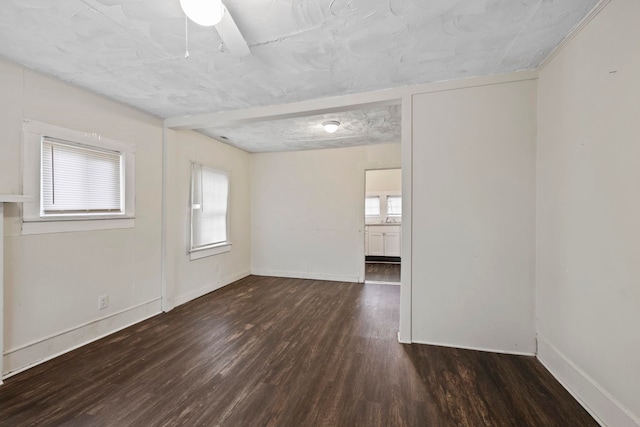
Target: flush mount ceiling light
203	12
330	126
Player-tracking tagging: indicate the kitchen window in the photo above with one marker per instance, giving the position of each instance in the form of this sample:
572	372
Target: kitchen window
372	206
394	206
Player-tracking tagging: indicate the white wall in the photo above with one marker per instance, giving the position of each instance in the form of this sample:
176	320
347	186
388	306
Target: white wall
474	217
384	180
52	281
307	211
191	279
588	253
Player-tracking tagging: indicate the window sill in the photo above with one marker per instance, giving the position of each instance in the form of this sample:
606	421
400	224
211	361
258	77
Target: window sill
210	251
44	227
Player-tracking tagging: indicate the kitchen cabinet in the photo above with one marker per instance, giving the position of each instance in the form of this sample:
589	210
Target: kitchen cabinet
392	243
382	240
376	242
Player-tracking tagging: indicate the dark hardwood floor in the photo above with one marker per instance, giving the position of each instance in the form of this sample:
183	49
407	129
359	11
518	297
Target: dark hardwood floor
284	352
382	272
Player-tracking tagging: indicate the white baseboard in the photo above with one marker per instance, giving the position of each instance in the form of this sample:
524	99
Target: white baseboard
381	282
303	275
34	353
595	399
402	341
487	350
197	293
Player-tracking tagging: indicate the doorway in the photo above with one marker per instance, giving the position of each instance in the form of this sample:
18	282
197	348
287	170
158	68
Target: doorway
383	226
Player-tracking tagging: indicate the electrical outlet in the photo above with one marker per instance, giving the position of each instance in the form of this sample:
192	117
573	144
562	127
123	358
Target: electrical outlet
103	302
217	267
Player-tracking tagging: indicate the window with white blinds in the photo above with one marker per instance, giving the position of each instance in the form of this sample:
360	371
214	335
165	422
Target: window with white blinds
77	179
372	206
394	205
209	207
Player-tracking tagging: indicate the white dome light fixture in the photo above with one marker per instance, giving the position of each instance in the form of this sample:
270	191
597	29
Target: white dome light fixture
203	12
330	126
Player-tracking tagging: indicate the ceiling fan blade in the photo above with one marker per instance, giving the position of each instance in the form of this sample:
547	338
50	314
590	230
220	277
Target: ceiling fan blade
231	35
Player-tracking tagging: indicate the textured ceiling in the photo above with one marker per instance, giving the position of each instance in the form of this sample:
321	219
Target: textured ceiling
358	127
133	51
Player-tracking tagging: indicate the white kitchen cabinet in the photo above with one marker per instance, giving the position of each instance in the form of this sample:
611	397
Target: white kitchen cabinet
382	240
366	240
376	242
392	243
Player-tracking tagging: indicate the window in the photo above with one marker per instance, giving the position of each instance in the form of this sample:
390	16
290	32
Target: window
372	206
79	181
209	211
394	205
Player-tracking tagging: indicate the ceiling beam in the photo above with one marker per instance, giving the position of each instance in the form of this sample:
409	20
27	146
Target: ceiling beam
336	104
284	111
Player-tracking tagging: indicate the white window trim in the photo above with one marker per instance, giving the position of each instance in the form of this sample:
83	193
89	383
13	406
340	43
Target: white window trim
199	253
216	248
33	220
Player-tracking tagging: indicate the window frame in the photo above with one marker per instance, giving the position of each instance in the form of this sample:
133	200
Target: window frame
34	219
214	248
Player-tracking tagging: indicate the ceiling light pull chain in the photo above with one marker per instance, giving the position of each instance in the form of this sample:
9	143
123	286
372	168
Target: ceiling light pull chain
222	48
186	37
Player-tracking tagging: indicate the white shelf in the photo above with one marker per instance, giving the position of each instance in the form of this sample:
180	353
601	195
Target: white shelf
14	198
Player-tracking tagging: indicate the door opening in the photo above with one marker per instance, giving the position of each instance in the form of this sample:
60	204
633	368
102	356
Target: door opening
383	226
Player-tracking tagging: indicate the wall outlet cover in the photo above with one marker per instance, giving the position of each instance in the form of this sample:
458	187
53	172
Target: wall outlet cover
103	302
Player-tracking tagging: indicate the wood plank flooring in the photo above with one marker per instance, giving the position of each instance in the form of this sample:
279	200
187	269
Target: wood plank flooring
382	272
284	352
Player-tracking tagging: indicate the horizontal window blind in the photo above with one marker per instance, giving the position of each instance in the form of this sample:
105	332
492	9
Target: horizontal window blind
394	205
372	206
79	179
210	195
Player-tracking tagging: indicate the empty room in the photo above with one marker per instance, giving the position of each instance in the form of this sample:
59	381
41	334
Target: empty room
320	213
